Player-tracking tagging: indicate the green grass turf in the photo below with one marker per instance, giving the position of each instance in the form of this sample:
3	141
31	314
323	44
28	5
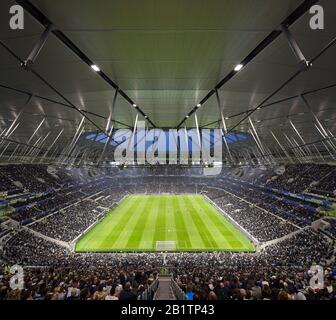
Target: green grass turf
141	220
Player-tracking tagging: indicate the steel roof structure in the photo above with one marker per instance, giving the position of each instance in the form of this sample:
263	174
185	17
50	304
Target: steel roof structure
164	62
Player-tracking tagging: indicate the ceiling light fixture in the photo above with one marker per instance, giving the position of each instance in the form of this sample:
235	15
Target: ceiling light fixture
95	68
238	67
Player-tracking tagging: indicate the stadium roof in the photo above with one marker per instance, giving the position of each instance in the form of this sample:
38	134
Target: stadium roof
166	57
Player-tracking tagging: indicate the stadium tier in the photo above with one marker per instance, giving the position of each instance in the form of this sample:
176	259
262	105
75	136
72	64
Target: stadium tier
146	221
167	150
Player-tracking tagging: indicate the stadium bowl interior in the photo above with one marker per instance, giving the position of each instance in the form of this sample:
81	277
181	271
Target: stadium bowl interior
189	144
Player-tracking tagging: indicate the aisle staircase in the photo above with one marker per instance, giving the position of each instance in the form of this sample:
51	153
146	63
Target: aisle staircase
164	291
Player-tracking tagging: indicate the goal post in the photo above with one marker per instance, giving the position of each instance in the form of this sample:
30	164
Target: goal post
165	246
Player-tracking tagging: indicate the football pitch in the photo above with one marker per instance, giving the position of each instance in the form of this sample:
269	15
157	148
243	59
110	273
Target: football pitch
149	223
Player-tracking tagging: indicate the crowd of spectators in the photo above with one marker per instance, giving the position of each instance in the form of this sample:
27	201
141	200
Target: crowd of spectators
299	177
301	214
261	224
5	182
280	271
67	224
331	229
326	186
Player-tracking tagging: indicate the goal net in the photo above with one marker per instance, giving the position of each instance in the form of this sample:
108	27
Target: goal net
165	245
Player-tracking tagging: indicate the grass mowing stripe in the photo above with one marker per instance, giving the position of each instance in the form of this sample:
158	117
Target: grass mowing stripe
181	229
195	221
140	225
171	234
204	231
119	226
192	230
134	217
103	232
147	239
219	224
160	225
213	222
230	230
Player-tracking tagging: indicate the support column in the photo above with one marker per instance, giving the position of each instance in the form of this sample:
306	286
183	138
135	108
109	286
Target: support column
69	148
40	146
5	149
9	130
304	63
51	146
31	150
131	141
74	145
88	150
318	124
326	138
15	124
309	153
198	132
281	147
224	131
28	63
294	149
28	149
318	152
326	147
109	134
12	155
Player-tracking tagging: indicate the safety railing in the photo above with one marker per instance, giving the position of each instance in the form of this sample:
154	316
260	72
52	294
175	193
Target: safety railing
148	294
178	292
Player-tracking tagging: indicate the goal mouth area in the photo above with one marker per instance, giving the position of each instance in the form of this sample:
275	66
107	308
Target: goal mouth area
165	246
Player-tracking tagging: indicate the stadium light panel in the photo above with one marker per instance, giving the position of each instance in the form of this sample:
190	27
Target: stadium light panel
238	67
95	68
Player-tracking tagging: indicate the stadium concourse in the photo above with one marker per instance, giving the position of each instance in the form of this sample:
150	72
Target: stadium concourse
167	150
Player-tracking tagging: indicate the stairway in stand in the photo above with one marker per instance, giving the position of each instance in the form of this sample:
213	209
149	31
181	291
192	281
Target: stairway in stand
164	292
